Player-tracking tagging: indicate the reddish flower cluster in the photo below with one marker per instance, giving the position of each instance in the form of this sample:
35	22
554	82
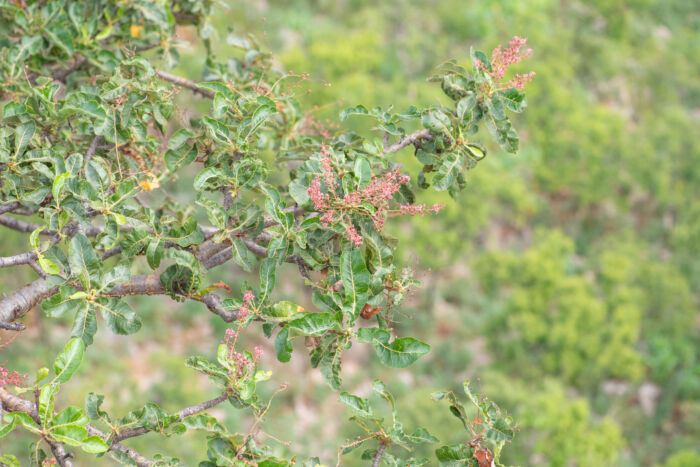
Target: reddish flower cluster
378	193
521	80
8	378
244	310
420	209
241	365
49	461
352	234
502	58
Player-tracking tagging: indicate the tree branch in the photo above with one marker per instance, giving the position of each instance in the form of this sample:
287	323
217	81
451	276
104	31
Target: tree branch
150	285
380	453
13	326
93	148
185	83
16	260
186	412
9	207
414	138
19	303
29	227
14	403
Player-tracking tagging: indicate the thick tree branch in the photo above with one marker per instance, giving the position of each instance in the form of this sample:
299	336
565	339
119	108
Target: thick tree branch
28	227
16	260
12	403
186	412
9	207
17	305
185	83
150	285
414	138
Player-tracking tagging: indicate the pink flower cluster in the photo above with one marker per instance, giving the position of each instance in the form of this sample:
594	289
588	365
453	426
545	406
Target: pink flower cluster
502	58
378	193
8	378
241	365
521	80
244	310
420	209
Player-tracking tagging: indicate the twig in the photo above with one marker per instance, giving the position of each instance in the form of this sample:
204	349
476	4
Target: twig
380	453
185	83
414	138
13	326
93	148
186	412
29	227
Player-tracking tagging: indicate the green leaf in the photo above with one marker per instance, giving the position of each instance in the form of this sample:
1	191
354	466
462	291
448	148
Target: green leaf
259	117
330	368
94	444
85	324
398	354
363	172
84	261
22	418
5	429
421	435
34	237
68	361
60	303
355	277
117	275
357	405
119	316
268	274
10	460
47	265
313	324
58	183
241	255
496	107
23	135
454	456
180	137
93	401
72	435
465	107
448	170
500	431
379	388
357	110
41	373
513	99
154	253
437	122
298	191
69	416
61	37
283	348
174	159
202	179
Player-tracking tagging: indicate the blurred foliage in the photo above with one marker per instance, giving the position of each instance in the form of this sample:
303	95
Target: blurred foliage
569	279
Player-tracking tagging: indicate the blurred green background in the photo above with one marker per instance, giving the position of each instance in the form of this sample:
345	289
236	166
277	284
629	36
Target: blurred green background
565	282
